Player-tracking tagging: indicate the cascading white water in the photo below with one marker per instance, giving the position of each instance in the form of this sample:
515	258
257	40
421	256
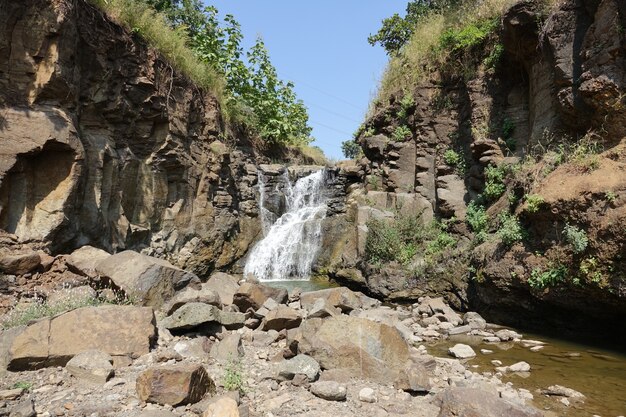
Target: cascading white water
291	244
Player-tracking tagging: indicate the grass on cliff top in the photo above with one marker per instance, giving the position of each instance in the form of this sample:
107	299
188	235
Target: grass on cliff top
139	18
436	37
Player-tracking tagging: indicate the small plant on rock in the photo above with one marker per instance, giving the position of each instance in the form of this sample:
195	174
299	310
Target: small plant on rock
510	230
610	197
540	279
533	203
401	133
452	158
234	377
577	238
25	385
478	220
494	182
406	104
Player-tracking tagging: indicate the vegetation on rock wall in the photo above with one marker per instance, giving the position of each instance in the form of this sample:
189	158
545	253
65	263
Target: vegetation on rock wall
194	40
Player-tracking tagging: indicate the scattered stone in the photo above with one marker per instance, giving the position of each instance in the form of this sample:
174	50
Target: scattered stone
252	295
329	390
300	364
496	362
469	402
536	348
228	349
196	348
116	330
201	294
25	408
223	407
367	395
260	338
561	391
174	385
531	343
417	379
519	367
193	315
491	339
282	317
474	320
92	366
461	351
11	394
149	280
224	285
155	413
340	297
19	263
505	335
83	260
460	330
486	351
322	308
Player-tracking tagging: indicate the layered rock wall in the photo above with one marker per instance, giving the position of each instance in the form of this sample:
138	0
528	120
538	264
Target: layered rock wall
102	142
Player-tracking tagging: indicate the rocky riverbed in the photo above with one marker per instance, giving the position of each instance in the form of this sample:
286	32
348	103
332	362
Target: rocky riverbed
229	348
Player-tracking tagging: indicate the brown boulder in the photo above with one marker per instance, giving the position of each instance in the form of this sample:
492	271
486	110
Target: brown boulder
174	385
116	330
362	347
19	264
84	260
224	285
251	295
472	402
339	297
150	280
282	317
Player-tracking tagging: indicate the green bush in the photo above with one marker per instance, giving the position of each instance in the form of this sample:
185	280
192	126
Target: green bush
395	239
494	182
406	104
442	242
534	203
540	279
510	230
401	133
495	56
478	220
469	36
452	158
576	237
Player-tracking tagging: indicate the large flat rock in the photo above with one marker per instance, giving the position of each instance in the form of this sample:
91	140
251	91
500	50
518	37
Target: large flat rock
115	330
362	347
151	281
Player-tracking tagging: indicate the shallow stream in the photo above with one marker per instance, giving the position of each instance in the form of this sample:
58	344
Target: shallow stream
600	374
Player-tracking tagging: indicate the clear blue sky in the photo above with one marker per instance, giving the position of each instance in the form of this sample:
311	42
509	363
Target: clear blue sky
321	45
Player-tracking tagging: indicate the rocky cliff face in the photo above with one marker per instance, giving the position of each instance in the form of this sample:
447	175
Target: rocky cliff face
560	84
102	142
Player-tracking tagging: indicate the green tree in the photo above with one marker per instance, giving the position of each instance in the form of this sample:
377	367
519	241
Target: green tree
396	30
350	149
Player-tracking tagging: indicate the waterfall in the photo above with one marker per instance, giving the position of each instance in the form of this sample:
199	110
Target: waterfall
291	243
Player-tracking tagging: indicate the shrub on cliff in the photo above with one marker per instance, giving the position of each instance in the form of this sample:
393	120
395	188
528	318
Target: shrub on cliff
197	43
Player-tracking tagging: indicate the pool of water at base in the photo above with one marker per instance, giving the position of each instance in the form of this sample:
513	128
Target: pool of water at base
313	284
599	374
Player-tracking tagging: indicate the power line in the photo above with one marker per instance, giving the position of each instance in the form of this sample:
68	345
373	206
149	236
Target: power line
332	112
330	127
325	93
